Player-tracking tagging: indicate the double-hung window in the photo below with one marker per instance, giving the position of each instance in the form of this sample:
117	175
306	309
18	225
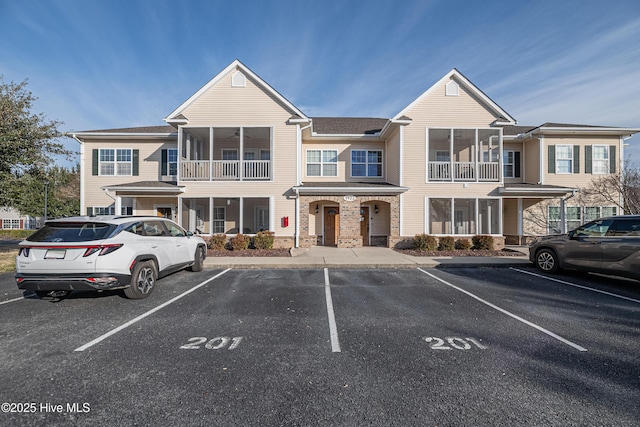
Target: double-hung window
219	214
366	163
564	158
322	162
172	161
115	161
508	162
600	159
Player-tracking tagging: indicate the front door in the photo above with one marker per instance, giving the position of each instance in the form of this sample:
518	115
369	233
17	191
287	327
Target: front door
364	225
331	226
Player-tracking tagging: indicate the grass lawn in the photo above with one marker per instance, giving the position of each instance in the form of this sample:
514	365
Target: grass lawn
8	260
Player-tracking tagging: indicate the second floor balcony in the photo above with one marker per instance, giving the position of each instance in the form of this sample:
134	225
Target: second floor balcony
225	154
464	155
464	171
225	170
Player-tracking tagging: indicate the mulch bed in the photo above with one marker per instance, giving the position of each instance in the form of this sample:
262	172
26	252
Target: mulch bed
470	252
250	253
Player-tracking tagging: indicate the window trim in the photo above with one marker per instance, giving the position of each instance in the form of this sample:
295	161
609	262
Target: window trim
558	159
512	164
606	161
366	163
214	220
321	162
115	161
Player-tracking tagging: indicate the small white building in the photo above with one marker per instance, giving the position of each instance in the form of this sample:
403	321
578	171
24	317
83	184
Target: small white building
11	219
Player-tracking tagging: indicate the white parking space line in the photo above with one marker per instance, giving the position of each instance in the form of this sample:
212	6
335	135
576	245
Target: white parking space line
575	284
333	330
502	310
15	299
148	313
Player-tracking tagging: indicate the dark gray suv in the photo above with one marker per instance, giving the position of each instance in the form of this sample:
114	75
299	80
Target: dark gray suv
608	245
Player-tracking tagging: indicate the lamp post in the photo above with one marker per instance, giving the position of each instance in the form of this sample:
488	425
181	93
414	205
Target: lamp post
46	199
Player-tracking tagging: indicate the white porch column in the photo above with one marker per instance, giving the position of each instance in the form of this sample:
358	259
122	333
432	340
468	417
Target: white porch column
563	216
118	209
520	220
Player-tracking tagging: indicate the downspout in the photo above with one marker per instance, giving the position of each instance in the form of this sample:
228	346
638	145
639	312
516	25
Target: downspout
299	181
82	207
116	199
563	213
297	230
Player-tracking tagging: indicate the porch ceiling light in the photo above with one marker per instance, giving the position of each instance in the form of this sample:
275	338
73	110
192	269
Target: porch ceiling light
375	208
317	208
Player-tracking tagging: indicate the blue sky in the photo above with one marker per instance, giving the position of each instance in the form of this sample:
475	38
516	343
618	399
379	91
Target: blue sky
105	64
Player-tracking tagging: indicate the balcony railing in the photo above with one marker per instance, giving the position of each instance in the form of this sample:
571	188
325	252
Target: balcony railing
224	170
464	171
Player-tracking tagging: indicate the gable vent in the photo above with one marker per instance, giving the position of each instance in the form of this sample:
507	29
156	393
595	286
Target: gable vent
238	80
452	89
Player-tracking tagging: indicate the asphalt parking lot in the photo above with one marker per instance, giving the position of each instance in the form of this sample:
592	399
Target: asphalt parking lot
434	347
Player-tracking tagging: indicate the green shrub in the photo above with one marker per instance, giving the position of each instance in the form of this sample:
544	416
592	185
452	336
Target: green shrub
240	242
263	240
482	242
424	242
217	242
446	243
463	244
16	234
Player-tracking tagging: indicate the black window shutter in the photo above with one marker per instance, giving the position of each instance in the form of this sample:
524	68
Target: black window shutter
552	159
516	164
136	160
89	210
164	165
576	159
588	159
94	162
612	159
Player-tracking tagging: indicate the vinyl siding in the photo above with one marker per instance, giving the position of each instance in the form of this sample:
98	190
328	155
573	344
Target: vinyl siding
437	110
344	160
250	106
531	161
149	167
580	179
392	157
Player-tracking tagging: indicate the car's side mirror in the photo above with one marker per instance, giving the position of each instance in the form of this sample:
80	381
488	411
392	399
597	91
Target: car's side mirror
189	233
572	235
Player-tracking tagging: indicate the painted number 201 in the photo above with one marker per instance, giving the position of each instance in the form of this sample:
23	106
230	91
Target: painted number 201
216	343
451	343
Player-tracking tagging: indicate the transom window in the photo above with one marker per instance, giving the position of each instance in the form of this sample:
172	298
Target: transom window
115	161
322	162
366	163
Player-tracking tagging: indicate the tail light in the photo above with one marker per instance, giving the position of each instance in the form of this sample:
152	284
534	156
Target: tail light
102	249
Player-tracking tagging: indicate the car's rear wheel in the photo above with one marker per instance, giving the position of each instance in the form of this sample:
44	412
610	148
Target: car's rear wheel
198	261
547	261
143	280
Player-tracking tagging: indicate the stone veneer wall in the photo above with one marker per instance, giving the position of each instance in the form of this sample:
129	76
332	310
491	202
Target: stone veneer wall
349	233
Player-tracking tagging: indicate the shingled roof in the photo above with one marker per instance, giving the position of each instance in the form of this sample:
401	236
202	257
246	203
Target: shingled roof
141	129
347	125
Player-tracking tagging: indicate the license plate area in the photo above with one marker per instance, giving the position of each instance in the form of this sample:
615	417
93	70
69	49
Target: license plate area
55	254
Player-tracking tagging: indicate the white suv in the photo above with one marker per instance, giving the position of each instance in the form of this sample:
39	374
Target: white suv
99	253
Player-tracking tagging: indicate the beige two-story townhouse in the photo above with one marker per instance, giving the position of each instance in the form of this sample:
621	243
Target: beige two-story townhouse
237	157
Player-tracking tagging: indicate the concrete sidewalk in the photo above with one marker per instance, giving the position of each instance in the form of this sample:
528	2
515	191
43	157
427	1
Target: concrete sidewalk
366	257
